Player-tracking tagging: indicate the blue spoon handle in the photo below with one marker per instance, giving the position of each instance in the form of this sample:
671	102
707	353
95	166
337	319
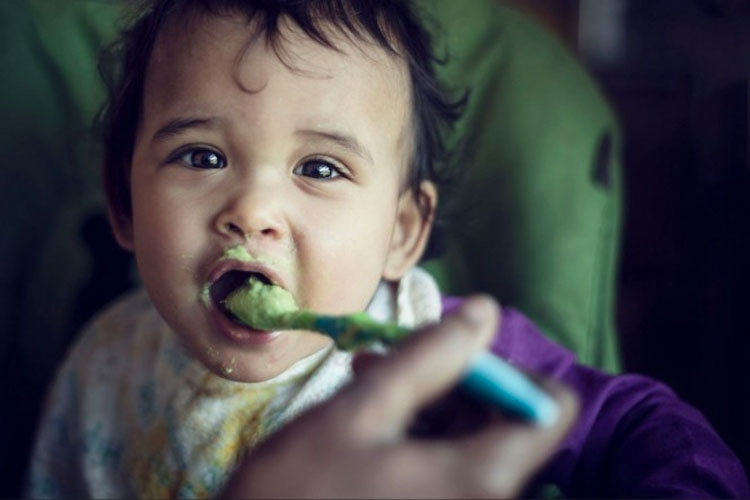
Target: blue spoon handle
497	382
488	377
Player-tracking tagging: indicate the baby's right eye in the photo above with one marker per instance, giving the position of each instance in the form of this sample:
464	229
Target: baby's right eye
202	158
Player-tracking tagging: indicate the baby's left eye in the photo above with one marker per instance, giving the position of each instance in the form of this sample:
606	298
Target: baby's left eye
318	169
198	157
203	159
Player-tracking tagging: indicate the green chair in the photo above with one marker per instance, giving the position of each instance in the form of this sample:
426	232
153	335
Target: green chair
49	189
536	222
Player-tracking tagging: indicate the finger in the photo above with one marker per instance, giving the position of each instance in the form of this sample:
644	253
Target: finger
494	464
363	360
425	365
502	459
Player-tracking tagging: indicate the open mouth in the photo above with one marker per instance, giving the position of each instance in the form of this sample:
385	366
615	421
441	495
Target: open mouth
228	283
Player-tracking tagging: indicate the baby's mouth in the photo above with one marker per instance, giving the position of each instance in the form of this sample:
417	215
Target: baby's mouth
227	283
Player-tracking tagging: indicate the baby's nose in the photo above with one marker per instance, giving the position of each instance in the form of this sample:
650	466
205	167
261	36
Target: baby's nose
251	212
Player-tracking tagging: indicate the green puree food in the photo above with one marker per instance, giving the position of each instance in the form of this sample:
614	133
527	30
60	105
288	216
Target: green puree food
239	253
269	307
261	306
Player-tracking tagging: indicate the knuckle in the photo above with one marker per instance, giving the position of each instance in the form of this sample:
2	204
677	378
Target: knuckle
481	481
500	483
494	467
374	410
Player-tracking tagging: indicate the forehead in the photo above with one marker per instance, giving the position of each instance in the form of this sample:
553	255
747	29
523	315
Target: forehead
219	65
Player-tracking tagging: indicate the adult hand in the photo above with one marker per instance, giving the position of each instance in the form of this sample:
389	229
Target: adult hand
357	444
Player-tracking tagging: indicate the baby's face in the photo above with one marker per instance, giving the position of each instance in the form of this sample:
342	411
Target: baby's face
301	167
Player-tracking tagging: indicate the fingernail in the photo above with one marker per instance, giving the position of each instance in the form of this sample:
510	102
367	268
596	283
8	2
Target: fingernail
477	310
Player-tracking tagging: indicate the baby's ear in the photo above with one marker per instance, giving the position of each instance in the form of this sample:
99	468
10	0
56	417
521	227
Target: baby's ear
122	228
412	230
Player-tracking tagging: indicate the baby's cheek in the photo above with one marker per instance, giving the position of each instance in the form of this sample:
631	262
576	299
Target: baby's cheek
342	260
344	287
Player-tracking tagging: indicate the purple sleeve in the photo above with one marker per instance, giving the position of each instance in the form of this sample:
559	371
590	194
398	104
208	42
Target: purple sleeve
633	437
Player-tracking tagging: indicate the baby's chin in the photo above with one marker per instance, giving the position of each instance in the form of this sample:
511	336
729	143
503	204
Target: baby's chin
250	366
243	373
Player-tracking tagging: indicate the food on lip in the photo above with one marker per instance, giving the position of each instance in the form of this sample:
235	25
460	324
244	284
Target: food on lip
259	305
251	299
206	294
239	253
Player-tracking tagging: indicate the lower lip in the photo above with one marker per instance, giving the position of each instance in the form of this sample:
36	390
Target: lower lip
240	334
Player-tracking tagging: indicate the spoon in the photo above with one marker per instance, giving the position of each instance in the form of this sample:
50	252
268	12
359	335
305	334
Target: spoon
269	307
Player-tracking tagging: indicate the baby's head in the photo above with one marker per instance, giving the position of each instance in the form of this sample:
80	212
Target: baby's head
308	135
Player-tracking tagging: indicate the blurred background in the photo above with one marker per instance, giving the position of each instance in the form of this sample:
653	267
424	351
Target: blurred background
676	72
678	75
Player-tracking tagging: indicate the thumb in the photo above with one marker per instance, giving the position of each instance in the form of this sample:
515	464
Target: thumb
363	360
392	389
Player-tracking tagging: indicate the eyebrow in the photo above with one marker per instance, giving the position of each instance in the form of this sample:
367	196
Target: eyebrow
179	125
346	141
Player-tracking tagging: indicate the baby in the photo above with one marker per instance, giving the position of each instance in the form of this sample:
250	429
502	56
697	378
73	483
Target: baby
300	142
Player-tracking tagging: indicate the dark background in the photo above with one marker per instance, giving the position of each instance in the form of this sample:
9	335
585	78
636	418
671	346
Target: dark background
677	74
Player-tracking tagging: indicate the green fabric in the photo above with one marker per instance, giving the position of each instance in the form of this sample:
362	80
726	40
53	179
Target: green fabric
49	185
49	93
532	226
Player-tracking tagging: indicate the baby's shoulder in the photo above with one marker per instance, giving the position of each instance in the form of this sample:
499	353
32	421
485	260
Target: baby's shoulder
98	393
127	330
129	314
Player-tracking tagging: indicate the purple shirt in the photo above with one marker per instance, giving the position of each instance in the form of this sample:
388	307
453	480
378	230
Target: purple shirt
633	437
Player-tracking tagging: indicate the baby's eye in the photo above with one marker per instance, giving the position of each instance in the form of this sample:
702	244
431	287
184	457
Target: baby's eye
318	169
202	158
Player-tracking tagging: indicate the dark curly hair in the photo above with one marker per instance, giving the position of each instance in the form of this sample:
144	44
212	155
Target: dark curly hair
392	24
